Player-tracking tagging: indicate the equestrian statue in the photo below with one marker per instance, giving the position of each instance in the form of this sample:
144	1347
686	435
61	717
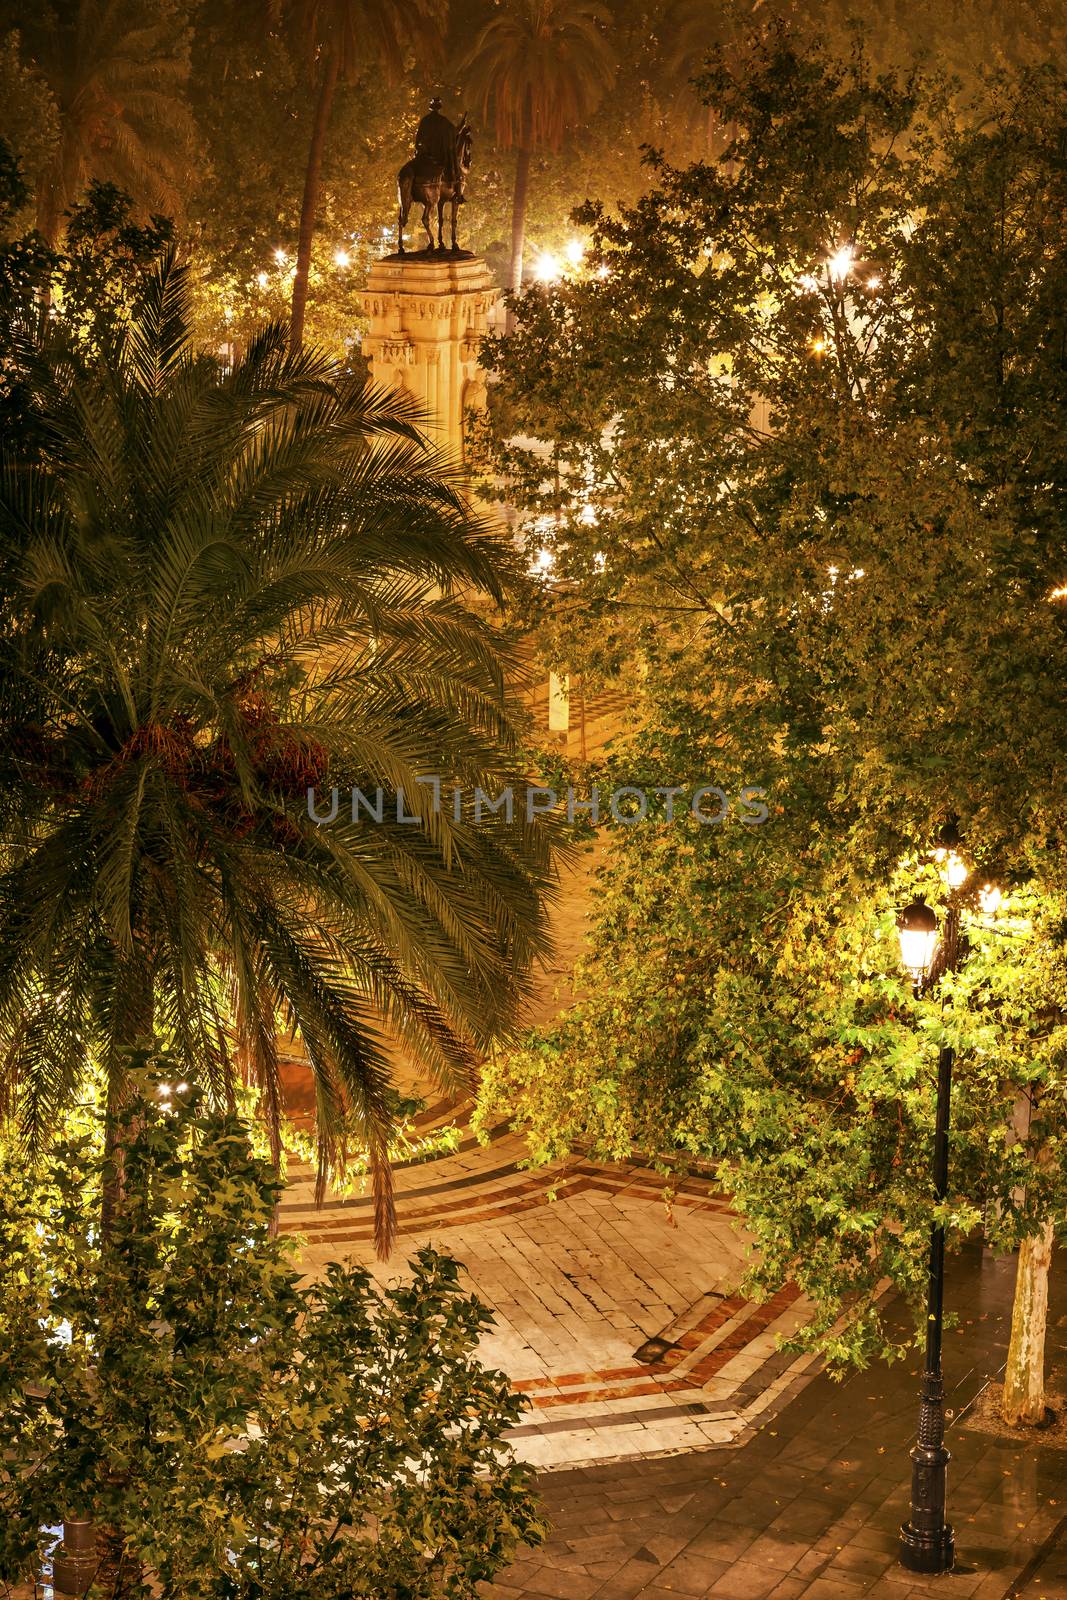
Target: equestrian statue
436	176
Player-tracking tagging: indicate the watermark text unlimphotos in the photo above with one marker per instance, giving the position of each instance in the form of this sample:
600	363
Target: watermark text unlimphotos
628	805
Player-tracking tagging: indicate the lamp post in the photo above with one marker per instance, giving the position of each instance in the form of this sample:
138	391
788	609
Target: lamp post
926	1541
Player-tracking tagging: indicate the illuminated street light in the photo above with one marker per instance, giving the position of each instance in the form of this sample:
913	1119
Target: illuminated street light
342	259
927	1543
917	931
547	267
574	250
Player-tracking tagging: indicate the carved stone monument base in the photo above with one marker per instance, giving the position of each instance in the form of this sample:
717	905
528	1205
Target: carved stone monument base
428	314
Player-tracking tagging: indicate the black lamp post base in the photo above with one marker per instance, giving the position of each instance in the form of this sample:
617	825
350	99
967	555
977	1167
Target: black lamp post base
927	1552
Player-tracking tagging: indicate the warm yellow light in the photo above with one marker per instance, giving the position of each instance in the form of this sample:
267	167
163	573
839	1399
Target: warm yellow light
874	283
342	259
574	250
917	930
603	271
544	560
280	256
819	346
1059	593
547	268
953	867
840	263
587	516
262	279
989	898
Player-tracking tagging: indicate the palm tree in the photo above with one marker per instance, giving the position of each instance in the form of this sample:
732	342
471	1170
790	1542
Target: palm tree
116	75
218	593
538	68
338	38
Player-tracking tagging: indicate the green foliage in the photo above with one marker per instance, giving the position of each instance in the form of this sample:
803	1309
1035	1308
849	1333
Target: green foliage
115	71
233	1431
222	591
31	128
89	285
797	452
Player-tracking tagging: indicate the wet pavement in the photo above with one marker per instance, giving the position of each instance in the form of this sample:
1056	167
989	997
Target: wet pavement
809	1506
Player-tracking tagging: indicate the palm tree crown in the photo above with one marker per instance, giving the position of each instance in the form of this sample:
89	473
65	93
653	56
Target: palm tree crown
219	591
538	68
117	81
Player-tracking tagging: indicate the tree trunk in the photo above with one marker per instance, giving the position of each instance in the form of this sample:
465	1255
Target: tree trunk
518	217
1024	1376
312	180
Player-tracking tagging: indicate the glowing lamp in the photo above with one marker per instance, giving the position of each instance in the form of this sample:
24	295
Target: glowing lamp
917	929
547	268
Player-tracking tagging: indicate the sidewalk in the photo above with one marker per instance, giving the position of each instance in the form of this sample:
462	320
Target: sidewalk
808	1508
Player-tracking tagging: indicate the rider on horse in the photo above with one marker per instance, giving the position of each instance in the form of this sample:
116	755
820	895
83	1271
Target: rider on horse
435	145
436	176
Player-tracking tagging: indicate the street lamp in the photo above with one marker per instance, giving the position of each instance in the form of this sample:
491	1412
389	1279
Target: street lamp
926	1541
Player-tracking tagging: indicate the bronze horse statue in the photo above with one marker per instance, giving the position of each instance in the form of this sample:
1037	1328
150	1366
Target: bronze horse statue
432	185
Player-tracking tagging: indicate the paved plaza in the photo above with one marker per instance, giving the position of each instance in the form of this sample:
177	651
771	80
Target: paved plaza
683	1453
808	1507
619	1320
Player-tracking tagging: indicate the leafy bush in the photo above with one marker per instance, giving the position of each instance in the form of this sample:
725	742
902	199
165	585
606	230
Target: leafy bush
230	1430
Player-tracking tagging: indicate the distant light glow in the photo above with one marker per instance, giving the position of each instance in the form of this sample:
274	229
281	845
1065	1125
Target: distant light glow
603	271
342	259
547	267
875	282
262	279
989	898
544	561
587	516
1059	593
280	256
819	346
574	250
840	263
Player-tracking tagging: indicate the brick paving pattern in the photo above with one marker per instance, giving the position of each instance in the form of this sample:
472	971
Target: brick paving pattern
808	1507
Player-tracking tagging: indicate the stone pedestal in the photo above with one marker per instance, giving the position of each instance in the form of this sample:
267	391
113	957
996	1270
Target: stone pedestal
427	316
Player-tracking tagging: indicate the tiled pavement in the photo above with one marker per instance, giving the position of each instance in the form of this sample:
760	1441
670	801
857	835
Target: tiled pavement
583	1265
808	1508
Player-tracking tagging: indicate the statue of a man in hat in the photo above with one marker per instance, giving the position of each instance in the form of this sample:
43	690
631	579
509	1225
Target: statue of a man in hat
435	145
